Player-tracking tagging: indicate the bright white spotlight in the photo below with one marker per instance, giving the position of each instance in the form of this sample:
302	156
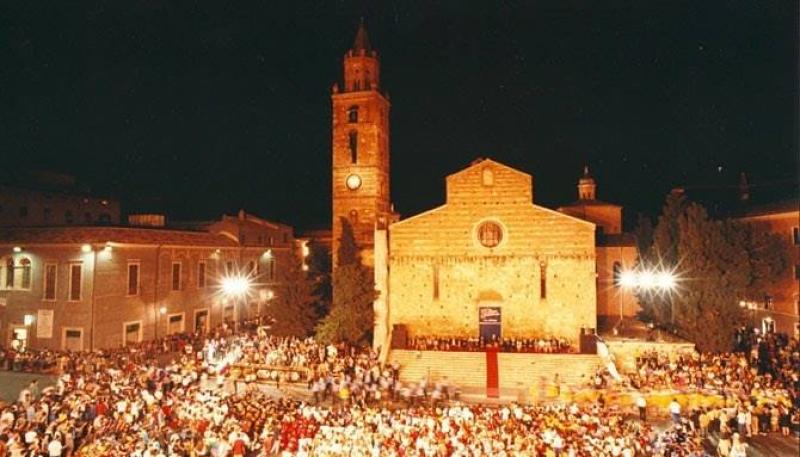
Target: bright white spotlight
235	285
627	279
86	248
647	279
665	280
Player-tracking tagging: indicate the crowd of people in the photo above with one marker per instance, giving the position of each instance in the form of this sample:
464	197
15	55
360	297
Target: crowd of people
130	402
758	387
532	345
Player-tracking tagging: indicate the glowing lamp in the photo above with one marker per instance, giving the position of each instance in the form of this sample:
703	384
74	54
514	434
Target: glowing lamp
647	279
108	247
665	280
163	310
86	248
235	285
28	319
17	249
267	254
627	279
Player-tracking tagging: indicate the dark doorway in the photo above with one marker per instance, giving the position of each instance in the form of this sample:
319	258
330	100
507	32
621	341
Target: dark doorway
489	323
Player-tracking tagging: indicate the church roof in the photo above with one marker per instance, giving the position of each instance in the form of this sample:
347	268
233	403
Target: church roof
362	39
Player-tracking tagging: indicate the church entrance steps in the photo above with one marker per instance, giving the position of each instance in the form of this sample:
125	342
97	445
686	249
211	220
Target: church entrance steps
518	371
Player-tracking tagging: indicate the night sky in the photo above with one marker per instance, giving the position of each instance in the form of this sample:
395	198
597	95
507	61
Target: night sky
201	107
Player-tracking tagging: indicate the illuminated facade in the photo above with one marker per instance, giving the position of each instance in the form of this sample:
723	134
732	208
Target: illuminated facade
488	263
99	287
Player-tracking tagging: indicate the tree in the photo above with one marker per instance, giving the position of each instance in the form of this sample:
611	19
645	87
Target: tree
293	307
351	317
719	264
319	270
661	250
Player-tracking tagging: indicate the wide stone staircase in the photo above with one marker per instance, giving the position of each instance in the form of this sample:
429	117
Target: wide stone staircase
518	371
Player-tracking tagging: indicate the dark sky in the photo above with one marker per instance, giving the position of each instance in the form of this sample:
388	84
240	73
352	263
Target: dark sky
202	107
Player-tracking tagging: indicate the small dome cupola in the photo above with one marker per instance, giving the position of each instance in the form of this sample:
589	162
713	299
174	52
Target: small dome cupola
587	189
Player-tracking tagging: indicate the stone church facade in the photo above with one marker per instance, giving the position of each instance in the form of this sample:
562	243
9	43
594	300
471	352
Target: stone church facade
488	262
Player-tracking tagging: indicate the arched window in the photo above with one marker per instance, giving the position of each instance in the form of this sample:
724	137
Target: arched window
353	144
25	273
617	273
9	274
352	114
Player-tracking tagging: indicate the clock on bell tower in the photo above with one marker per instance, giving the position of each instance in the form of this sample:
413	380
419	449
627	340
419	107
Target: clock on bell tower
360	149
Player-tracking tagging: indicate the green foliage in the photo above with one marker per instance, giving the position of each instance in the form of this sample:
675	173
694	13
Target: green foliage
351	317
719	264
293	307
319	270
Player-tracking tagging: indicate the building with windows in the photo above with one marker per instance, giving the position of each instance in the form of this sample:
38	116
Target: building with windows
51	199
779	309
616	250
98	287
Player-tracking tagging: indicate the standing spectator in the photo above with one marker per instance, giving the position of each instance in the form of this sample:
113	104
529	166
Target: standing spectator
675	411
641	403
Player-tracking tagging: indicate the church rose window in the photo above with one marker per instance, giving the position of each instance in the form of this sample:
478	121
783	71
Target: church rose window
490	234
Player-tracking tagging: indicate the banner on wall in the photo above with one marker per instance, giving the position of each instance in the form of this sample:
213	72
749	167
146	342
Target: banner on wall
44	323
489	315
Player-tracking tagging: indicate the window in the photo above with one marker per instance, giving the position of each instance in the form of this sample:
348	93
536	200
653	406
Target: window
133	279
617	273
543	280
201	275
132	332
23	211
490	234
176	276
47	214
8	281
767	302
353	144
796	235
25	270
271	269
352	114
353	217
435	281
50	271
175	323
75	281
68	217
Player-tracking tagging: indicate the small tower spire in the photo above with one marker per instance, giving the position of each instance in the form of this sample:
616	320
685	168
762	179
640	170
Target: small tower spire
587	189
361	43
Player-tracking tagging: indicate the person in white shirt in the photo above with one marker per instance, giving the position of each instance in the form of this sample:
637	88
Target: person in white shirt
54	448
675	410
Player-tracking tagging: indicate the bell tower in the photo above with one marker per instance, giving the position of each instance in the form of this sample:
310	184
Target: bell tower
360	141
